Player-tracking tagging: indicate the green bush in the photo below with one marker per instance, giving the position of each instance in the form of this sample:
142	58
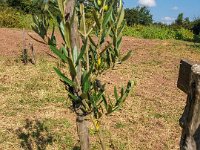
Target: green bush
9	17
197	38
138	15
155	32
149	32
158	32
12	18
184	34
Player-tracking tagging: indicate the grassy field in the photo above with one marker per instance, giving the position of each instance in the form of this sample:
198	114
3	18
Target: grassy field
34	109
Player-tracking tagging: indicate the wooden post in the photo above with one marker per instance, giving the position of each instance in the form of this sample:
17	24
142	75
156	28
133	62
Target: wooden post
33	59
190	120
24	49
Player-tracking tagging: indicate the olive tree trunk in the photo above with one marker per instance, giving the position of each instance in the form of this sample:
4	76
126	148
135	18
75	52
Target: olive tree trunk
81	121
190	120
83	132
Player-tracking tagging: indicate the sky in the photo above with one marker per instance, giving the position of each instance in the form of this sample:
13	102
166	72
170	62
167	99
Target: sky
166	11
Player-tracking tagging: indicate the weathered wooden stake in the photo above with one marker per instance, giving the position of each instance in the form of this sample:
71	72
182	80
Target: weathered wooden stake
33	58
190	120
25	56
24	49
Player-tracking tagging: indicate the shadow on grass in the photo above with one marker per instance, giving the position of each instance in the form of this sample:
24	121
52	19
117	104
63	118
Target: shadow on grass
76	148
34	135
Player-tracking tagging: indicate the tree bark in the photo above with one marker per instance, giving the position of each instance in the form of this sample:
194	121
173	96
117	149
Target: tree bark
83	132
81	122
190	120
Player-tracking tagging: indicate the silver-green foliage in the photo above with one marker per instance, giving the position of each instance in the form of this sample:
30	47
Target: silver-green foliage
95	55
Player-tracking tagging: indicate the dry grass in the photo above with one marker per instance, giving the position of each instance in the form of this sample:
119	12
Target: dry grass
148	119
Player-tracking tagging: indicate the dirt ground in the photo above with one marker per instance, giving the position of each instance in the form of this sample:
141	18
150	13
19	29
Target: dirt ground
149	118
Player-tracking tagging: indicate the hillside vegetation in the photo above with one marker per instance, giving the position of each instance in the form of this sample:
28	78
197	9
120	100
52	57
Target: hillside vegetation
139	22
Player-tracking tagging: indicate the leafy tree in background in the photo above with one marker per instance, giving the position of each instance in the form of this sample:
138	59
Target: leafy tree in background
187	24
182	22
196	26
138	15
179	20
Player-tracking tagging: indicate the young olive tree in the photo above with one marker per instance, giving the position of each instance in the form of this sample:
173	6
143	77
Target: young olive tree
87	51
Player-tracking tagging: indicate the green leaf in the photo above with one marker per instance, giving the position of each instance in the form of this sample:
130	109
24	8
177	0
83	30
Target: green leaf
126	56
61	28
86	86
105	34
86	77
73	97
129	86
96	19
52	40
83	49
105	102
121	17
63	49
96	5
120	30
82	21
119	101
119	42
122	91
58	53
75	54
110	109
107	17
93	100
71	68
68	34
99	96
124	94
115	92
61	6
63	77
84	96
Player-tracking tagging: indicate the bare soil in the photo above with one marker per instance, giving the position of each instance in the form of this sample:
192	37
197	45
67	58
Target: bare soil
148	119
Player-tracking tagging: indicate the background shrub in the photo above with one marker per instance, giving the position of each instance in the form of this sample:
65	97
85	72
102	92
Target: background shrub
11	18
158	32
138	15
184	34
150	32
